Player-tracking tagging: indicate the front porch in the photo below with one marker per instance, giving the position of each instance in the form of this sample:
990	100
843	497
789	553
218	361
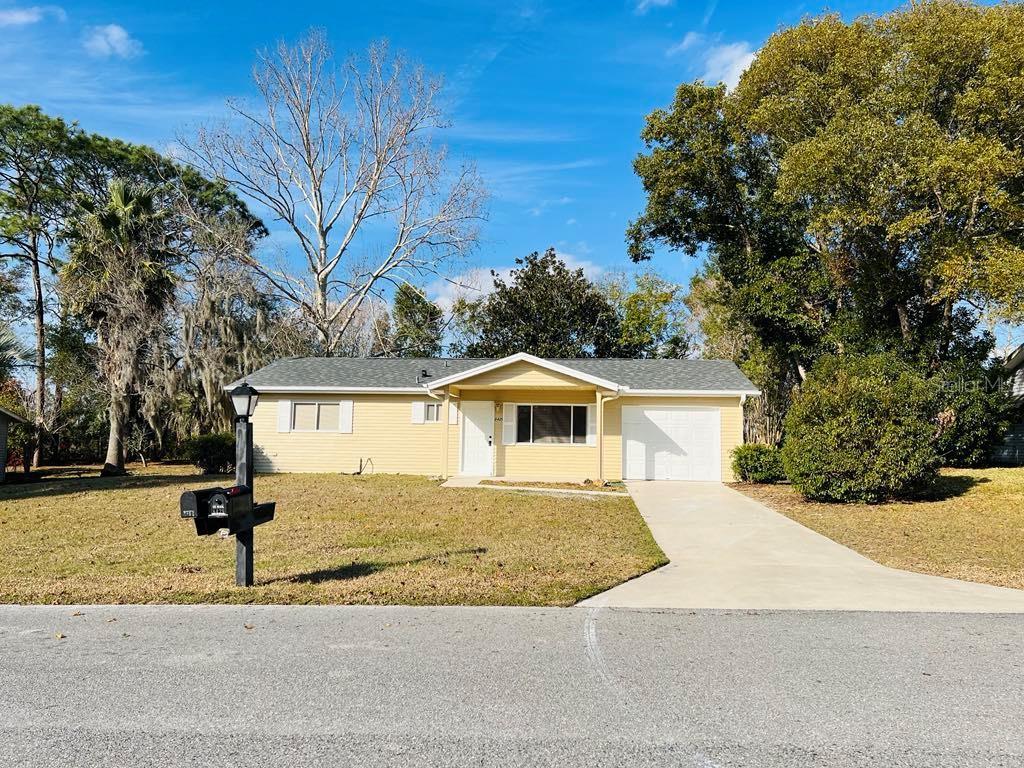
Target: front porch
524	422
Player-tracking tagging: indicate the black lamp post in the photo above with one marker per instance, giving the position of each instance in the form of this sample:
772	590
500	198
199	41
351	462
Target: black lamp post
244	399
214	509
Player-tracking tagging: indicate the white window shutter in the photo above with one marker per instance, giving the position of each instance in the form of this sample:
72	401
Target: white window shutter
345	416
453	413
591	425
508	424
284	415
418	411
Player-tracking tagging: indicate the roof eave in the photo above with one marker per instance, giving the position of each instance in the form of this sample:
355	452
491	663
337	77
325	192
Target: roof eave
528	358
13	416
270	389
626	392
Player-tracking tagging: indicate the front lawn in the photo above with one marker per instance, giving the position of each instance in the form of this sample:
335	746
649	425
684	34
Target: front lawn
337	539
972	528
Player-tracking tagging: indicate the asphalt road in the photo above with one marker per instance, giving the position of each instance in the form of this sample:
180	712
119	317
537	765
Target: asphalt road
302	686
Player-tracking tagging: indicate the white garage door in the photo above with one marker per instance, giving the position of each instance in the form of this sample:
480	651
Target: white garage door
671	443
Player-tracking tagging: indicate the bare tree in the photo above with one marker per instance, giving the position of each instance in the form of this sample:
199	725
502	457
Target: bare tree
345	157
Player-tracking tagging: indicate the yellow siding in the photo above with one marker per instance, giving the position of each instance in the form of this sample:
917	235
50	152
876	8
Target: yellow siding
732	428
522	375
541	462
383	436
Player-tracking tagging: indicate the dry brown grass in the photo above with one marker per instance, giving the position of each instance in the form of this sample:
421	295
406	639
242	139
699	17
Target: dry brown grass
337	539
971	528
557	486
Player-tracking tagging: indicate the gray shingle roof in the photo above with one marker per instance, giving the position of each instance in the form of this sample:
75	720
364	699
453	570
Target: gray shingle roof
357	373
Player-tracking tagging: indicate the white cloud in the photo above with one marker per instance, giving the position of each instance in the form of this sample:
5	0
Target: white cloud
543	205
591	270
689	41
725	63
506	133
111	40
33	14
709	11
570	223
523	183
472	284
643	6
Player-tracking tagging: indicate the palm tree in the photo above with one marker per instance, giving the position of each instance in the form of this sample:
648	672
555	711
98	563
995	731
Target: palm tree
12	353
120	279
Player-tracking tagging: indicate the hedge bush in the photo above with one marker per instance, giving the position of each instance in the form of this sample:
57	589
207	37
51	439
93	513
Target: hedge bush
974	414
758	463
861	429
214	454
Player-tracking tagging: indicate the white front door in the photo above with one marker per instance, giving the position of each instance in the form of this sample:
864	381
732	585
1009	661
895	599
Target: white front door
478	437
671	443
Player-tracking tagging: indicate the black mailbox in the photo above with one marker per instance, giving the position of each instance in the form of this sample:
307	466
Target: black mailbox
216	508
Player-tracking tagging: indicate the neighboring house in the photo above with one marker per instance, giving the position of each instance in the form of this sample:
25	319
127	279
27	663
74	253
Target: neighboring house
1012	449
6	417
520	417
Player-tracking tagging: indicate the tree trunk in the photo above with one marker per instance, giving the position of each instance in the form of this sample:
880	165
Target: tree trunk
40	394
904	319
114	463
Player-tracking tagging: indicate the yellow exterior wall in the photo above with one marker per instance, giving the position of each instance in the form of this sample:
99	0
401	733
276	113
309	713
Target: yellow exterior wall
382	434
541	462
521	375
731	418
385	438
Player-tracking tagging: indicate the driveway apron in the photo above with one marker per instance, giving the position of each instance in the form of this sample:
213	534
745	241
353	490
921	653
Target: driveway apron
728	551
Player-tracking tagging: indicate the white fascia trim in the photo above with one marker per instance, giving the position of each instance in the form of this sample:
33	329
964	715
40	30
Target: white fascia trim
691	392
272	390
525	358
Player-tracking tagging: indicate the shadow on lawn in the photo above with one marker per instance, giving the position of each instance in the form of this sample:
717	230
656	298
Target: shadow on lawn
356	569
69	483
949	487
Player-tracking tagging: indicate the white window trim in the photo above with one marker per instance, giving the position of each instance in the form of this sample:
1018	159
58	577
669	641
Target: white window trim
437	412
317	403
571	443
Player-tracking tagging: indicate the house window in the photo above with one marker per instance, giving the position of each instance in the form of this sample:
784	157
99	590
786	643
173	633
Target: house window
551	424
432	412
315	417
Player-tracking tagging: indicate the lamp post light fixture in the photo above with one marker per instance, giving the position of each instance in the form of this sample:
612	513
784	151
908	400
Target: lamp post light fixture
233	508
244	399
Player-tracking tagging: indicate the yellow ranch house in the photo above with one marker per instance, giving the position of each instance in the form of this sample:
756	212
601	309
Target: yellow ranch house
518	417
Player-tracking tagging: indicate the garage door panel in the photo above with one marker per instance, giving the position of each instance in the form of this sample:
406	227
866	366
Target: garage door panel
671	443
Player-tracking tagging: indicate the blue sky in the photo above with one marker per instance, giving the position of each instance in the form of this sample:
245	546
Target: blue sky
548	98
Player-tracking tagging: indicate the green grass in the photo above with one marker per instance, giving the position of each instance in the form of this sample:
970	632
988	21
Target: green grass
971	527
376	539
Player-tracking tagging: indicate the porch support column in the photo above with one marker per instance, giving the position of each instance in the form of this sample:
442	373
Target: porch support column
445	418
600	436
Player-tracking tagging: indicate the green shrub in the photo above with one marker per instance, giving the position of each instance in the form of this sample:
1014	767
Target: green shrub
214	454
974	413
861	429
758	463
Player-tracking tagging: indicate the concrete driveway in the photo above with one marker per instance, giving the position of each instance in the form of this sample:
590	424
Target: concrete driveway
728	551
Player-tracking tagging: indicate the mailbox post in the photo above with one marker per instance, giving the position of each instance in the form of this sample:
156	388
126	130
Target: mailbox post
215	508
244	399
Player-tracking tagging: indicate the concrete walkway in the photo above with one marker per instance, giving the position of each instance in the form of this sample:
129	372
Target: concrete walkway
476	481
729	551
